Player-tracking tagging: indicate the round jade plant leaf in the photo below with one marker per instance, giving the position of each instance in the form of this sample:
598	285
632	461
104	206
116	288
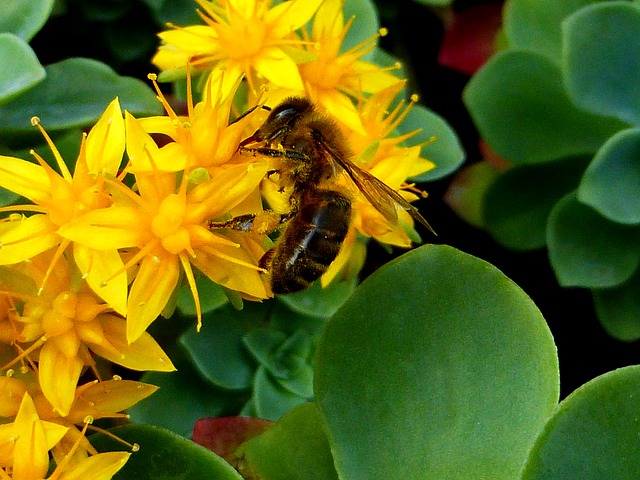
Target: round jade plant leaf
518	203
618	309
611	184
437	367
270	399
520	107
365	24
20	69
24	18
74	93
600	60
535	25
593	434
163	455
319	302
587	250
295	448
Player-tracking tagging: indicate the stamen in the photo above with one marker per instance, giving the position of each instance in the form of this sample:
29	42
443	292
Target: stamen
35	121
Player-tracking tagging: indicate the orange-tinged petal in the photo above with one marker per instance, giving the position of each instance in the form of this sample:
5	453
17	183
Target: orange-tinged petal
58	377
289	16
31	236
107	229
105	399
102	466
25	178
277	67
105	143
144	353
11	392
150	292
103	271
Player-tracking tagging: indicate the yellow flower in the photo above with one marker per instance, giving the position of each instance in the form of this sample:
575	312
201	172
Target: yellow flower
164	226
61	197
66	321
334	78
241	37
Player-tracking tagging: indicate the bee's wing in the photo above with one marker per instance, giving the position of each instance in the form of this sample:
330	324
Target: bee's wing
379	194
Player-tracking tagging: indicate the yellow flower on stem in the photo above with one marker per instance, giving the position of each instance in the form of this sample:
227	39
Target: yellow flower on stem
241	37
164	227
59	198
67	321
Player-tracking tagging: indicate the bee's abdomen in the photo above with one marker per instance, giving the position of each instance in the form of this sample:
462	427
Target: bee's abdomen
311	241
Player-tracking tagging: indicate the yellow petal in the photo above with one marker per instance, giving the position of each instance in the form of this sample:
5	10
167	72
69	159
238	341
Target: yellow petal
11	392
277	67
289	16
150	292
100	269
107	228
58	377
144	353
140	146
102	466
30	236
105	143
194	38
25	178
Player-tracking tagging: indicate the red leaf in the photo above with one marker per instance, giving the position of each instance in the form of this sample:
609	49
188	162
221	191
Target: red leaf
224	435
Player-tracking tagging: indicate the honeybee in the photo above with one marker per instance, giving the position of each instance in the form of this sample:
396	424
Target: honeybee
311	151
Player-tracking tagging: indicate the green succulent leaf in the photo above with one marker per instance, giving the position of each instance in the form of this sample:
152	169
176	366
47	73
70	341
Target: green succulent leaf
442	145
535	25
365	24
196	397
519	104
262	345
600	60
588	250
518	203
611	184
163	455
74	93
320	302
211	295
24	18
217	350
618	309
270	399
593	434
271	456
437	367
20	69
178	12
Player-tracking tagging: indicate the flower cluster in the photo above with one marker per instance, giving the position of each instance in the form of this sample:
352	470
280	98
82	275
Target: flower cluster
98	253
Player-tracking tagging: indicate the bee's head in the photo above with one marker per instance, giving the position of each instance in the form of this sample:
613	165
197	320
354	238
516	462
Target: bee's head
282	120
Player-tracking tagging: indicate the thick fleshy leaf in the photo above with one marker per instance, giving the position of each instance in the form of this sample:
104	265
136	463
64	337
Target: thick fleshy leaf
437	367
211	294
75	93
593	434
519	104
24	18
618	309
600	61
20	69
272	457
518	203
186	388
445	151
535	25
224	435
587	250
217	350
163	455
270	399
262	344
317	301
611	184
365	24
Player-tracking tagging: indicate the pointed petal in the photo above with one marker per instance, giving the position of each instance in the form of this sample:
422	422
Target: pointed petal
103	399
139	144
142	354
102	466
152	288
25	178
200	39
289	16
100	269
277	67
30	236
105	143
58	377
30	454
107	229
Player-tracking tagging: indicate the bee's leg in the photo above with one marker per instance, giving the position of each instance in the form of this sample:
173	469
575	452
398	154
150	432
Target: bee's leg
243	223
261	223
